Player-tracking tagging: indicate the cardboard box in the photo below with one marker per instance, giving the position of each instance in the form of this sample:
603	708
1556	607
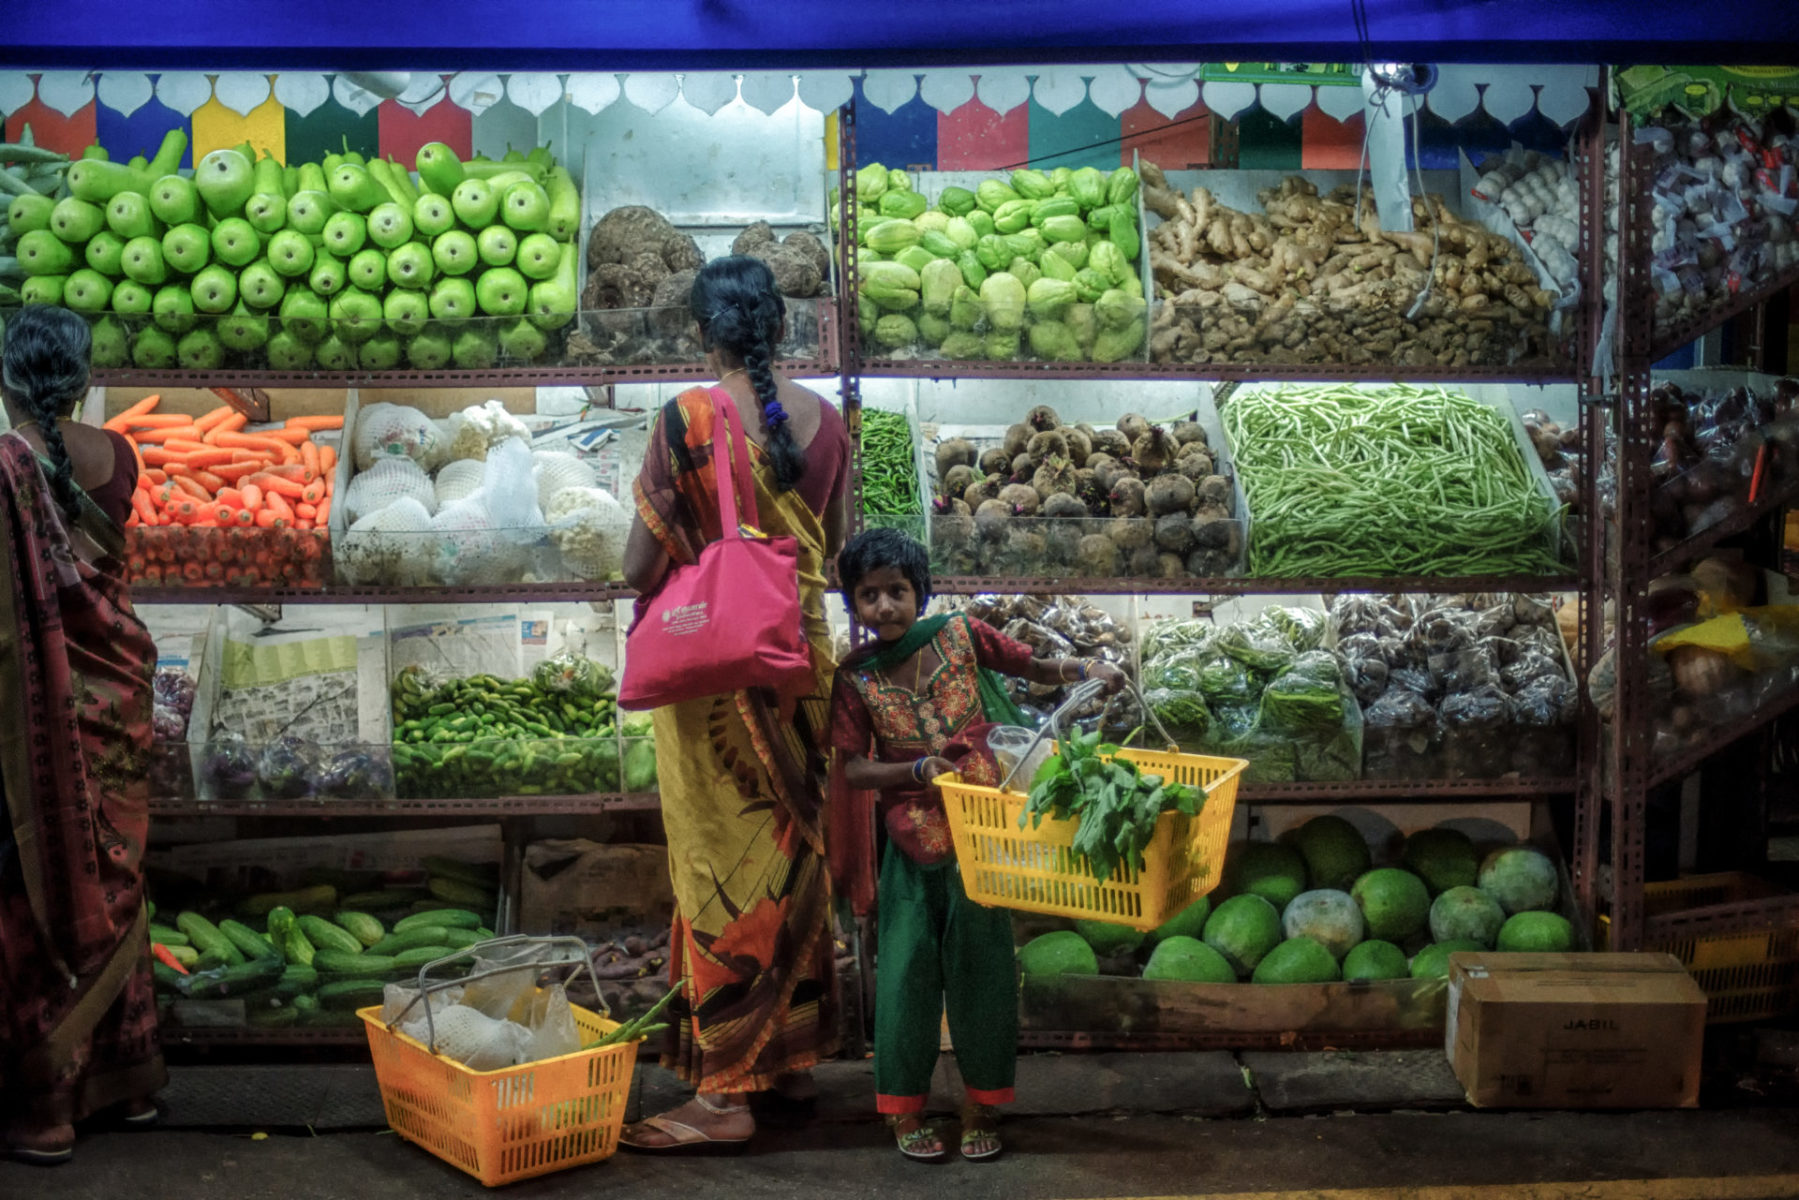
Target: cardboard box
1575	1030
590	889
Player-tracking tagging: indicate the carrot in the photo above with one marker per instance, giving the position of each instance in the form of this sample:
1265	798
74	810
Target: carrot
231	424
236	470
292	437
192	487
268	518
252	494
296	472
146	511
156	421
185	446
156	456
327	459
206	479
315	423
156	475
305	510
276	485
270	446
315	492
213	418
167	959
324	513
309	458
178	432
141	408
206	457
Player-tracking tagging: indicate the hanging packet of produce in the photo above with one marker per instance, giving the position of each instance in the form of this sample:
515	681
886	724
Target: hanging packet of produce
575	676
1307	699
1302	628
1258	650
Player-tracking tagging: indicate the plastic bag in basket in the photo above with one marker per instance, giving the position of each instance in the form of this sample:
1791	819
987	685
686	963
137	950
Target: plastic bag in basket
458	480
471	547
387	546
396	431
557	470
388	480
510	491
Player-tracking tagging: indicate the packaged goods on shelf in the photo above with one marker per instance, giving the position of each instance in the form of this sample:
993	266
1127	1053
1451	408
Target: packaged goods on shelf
174	689
468	501
1458	687
1718	674
1725	214
635	307
1038	265
1045	498
1420	481
1721	452
286	714
1266	689
473	717
1309	278
1538	196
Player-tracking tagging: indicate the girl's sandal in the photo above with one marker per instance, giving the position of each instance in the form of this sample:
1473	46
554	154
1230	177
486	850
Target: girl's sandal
920	1142
980	1134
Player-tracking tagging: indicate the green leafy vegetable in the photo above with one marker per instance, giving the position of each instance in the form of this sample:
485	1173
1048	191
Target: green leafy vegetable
1116	804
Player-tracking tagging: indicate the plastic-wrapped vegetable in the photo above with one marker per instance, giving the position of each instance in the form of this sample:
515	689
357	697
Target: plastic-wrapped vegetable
1257	650
173	688
285	768
167	724
640	767
1183	712
1303	628
573	675
356	774
1476	733
1306	699
230	767
1400	736
1222	679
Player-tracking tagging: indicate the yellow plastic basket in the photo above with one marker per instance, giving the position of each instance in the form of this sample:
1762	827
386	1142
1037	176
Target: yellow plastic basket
1745	976
1034	870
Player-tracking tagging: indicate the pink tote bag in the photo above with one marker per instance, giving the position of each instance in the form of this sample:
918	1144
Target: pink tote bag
730	621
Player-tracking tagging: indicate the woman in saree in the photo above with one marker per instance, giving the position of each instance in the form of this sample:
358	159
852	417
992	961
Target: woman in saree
742	774
76	1001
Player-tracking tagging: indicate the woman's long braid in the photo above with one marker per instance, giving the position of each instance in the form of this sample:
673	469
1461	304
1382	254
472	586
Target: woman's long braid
45	371
735	301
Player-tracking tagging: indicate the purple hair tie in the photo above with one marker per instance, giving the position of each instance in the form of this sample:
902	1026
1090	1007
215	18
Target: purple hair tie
773	414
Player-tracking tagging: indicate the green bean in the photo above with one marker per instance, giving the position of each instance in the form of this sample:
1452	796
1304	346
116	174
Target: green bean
1404	480
889	466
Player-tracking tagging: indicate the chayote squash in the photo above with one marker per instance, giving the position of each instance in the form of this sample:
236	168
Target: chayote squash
974	274
1072	229
956	201
965	310
1121	188
938	283
1088	188
892	236
1013	216
961	232
992	193
1048	299
1025	271
895	331
1032	185
1003	301
903	205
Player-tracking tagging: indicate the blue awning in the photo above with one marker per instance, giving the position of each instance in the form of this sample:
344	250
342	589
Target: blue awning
588	35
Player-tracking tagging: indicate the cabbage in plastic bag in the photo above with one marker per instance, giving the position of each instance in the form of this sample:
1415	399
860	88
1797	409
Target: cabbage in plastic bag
458	480
385	482
397	431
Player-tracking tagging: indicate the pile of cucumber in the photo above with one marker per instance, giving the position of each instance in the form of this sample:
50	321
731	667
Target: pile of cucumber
318	956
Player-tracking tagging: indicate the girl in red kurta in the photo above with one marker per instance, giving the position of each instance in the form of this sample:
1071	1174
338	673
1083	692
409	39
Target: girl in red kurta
923	692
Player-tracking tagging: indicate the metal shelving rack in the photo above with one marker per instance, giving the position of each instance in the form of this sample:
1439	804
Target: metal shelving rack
842	355
1627	763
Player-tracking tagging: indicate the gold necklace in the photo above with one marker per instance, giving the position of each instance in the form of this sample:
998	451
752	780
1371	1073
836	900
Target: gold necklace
728	374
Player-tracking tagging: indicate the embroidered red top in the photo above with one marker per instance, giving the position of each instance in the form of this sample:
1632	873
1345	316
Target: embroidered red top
873	716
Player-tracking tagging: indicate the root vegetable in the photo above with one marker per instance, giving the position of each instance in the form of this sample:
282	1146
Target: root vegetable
992	518
1089	493
1097	555
1195	462
1046	446
1174	533
1105	469
1080	446
1127	498
956	452
1063	506
1215	529
983	490
996	462
1153	451
1021	499
1112	442
1017	438
1132	427
1188	433
1056	475
957	480
1145	561
1132	533
1043	418
1215	491
1168	494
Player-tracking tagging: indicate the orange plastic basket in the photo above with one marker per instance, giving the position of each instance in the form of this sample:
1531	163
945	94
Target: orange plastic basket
1006	866
511	1124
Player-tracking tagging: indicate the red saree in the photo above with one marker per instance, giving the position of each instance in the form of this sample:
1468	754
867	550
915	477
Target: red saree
76	1001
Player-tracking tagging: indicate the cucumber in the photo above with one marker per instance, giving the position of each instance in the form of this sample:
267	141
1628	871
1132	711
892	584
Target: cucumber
206	938
167	978
326	936
305	1002
387	900
418	956
444	918
234	981
350	995
296	947
459	939
295	981
163	935
211	960
454	891
249	943
187	956
362	927
273	1016
485	876
335	964
408	939
322	898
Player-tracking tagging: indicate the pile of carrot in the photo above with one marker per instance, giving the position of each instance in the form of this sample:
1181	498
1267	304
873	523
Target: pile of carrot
208	471
219	504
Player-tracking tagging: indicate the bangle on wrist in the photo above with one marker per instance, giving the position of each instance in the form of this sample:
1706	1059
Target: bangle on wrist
918	770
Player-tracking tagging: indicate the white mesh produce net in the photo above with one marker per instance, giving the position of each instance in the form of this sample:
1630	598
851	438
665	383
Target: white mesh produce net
590	528
397	431
557	470
384	482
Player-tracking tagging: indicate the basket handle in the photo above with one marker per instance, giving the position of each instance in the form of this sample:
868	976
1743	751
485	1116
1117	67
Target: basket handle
427	986
1077	696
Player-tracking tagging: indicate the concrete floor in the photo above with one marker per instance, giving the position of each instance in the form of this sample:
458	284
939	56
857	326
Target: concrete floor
1700	1155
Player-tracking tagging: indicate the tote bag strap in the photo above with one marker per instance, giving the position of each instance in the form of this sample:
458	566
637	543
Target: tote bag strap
735	484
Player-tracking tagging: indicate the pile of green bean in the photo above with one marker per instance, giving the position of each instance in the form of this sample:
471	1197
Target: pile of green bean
889	466
1396	480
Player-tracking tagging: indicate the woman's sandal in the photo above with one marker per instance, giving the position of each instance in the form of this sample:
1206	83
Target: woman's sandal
46	1152
683	1139
980	1134
139	1115
917	1142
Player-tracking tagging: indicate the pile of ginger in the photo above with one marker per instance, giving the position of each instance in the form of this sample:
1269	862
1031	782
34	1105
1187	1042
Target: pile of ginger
1304	281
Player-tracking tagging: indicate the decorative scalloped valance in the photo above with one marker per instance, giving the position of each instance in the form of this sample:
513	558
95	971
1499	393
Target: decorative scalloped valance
1507	93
